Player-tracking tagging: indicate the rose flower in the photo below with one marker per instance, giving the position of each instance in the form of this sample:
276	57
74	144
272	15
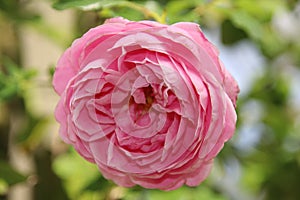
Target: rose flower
150	104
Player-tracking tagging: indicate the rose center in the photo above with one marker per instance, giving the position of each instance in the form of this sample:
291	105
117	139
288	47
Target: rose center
139	104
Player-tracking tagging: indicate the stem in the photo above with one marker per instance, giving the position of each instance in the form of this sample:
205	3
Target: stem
138	7
148	13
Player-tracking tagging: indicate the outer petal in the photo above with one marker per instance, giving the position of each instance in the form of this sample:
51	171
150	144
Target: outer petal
69	63
64	72
194	32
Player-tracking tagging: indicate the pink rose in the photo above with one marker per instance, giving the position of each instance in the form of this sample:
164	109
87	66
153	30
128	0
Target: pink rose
149	103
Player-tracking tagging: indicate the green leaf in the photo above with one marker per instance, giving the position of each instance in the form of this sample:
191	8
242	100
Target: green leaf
248	23
128	9
65	4
231	34
98	184
87	4
10	175
181	11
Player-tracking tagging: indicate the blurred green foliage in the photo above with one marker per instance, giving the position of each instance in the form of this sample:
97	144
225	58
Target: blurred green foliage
14	81
268	169
14	10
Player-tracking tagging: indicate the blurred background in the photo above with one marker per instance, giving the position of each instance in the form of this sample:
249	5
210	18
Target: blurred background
259	43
